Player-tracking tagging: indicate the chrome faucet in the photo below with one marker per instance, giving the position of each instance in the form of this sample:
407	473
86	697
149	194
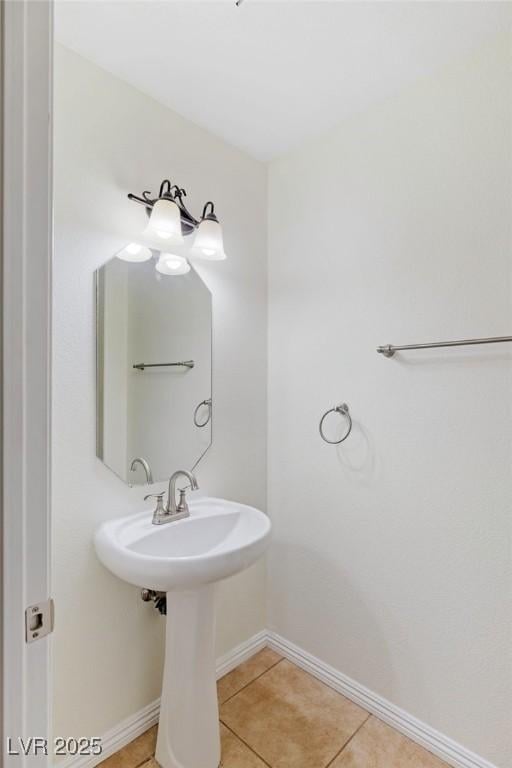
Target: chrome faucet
172	511
145	466
182	508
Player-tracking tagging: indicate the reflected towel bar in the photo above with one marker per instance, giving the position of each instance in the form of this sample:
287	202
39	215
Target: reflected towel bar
390	349
142	366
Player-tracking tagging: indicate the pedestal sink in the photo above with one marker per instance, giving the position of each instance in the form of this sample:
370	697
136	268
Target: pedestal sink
185	559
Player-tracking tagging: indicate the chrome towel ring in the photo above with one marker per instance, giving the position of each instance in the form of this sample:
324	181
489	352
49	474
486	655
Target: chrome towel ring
207	402
343	410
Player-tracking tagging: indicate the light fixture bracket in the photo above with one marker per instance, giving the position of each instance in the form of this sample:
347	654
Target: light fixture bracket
169	191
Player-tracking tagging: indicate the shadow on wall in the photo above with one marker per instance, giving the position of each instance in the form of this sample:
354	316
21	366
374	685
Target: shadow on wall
364	656
355	448
451	357
357	454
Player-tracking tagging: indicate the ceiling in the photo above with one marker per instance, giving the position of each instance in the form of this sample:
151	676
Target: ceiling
267	76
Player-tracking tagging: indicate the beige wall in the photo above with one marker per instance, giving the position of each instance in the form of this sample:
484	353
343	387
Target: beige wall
111	139
391	556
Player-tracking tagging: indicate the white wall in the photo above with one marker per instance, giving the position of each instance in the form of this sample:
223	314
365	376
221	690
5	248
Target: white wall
392	555
110	140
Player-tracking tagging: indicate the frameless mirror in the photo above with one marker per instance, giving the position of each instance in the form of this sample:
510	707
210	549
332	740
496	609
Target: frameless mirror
154	363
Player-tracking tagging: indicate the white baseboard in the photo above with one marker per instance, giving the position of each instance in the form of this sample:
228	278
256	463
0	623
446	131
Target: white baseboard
443	747
117	738
134	726
241	653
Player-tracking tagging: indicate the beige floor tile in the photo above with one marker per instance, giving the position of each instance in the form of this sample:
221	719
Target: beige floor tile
247	672
135	753
291	719
377	745
235	754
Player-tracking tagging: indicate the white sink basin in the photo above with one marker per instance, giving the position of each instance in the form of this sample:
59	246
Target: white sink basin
219	539
184	559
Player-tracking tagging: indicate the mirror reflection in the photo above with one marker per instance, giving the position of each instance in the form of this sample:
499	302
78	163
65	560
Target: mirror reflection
154	403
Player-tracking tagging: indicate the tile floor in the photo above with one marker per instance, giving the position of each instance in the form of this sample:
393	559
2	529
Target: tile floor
275	715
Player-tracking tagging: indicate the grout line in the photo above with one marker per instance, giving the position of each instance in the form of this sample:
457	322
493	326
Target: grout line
348	741
245	743
254	752
128	748
251	681
146	759
137	765
338	753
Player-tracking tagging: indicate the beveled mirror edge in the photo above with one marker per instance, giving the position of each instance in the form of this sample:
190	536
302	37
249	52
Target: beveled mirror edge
99	331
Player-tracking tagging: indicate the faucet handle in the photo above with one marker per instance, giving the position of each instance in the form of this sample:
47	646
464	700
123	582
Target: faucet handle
159	513
158	496
182	503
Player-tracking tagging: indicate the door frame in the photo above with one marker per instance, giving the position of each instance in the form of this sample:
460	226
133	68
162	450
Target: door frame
27	48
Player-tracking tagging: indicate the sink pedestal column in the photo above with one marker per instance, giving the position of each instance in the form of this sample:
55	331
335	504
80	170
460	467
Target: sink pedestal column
188	732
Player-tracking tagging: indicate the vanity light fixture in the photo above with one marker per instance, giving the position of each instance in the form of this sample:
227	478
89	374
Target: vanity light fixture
208	242
169	220
170	264
134	252
165	222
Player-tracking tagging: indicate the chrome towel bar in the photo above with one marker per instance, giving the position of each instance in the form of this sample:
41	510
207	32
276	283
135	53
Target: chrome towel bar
143	366
389	349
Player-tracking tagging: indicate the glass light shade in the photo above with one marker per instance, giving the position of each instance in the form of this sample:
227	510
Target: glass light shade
165	222
208	243
134	252
171	264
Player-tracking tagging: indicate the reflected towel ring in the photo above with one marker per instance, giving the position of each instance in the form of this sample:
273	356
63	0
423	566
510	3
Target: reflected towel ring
207	402
343	410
